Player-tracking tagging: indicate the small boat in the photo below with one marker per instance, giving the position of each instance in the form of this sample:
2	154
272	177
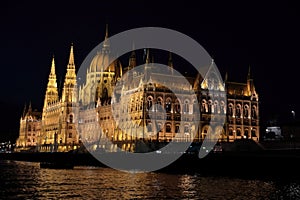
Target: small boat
56	165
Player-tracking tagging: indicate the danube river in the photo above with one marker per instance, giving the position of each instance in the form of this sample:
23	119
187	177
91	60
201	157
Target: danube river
26	180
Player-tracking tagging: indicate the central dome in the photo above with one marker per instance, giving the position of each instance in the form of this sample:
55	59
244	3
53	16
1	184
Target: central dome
101	62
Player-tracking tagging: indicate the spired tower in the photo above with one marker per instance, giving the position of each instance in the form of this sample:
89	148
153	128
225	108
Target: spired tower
51	91
69	105
50	116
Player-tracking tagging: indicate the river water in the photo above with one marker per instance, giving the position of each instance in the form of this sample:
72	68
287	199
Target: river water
26	180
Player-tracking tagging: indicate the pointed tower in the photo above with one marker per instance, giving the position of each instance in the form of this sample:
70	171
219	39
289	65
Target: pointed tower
51	91
170	63
249	82
106	42
70	85
24	111
69	106
30	108
147	66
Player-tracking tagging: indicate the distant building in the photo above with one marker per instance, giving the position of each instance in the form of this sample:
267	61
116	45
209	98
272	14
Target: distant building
84	112
30	128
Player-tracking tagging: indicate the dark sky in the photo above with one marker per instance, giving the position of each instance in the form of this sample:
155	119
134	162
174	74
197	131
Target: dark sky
236	34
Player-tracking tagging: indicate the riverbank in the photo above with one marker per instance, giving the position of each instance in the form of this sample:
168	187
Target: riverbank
251	164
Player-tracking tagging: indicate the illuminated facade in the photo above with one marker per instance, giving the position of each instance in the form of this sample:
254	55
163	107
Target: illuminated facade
102	110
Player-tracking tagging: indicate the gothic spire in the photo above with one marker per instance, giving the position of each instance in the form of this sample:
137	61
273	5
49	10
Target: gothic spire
170	62
71	64
24	111
30	108
69	92
51	91
147	57
52	66
249	73
106	39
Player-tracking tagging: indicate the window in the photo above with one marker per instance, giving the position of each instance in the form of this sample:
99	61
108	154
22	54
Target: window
168	106
204	106
209	106
238	132
149	102
71	118
222	107
253	133
186	129
230	110
159	106
177	107
70	135
253	112
238	111
168	128
216	108
186	106
230	132
246	111
149	127
177	128
246	133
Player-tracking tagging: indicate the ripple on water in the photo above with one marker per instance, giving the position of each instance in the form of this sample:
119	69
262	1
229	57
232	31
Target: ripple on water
24	180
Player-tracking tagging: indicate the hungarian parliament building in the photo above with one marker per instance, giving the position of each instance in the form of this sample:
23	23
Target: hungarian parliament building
119	106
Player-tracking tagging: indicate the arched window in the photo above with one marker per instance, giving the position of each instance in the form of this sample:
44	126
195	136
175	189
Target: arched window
168	128
246	111
177	129
246	133
159	106
216	107
105	94
186	106
230	132
29	127
177	106
204	106
210	106
238	132
195	107
230	109
238	110
222	107
253	133
149	127
253	112
149	102
168	105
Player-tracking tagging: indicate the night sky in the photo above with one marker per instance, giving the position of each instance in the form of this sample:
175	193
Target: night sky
265	36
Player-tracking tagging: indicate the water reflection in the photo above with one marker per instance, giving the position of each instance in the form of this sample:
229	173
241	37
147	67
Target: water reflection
23	180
